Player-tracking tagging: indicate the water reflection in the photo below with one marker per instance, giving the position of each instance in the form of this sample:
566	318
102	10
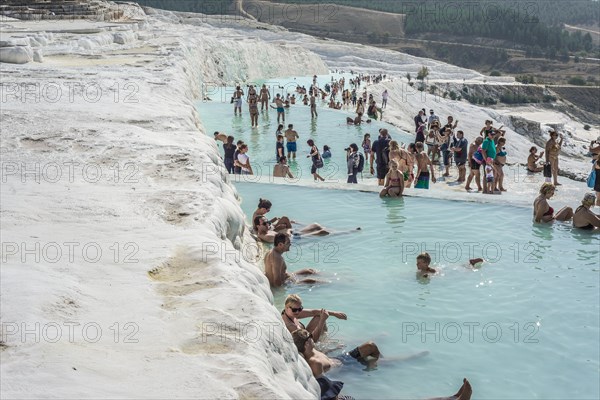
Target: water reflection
395	216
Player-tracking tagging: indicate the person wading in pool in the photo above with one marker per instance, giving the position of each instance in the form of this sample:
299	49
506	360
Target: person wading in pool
237	100
313	105
279	106
265	95
275	267
291	135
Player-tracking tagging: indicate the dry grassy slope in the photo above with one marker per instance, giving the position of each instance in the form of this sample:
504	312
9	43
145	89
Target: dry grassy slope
586	98
325	18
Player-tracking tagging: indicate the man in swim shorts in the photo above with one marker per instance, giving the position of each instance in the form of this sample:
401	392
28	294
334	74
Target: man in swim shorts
237	99
423	162
280	109
291	135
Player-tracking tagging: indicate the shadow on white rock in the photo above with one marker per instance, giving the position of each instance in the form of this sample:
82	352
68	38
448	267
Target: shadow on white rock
16	54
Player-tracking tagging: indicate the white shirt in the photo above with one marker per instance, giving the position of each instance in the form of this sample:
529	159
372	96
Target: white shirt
243	159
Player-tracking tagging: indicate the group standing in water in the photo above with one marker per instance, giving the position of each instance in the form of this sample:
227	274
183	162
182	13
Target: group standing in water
399	167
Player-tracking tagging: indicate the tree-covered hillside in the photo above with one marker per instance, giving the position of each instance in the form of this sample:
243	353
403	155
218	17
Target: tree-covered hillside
550	12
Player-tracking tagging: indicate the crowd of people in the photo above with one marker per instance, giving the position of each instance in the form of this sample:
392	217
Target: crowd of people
400	166
396	167
479	165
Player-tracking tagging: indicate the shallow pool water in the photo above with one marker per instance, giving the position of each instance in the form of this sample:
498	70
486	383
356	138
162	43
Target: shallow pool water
329	128
523	326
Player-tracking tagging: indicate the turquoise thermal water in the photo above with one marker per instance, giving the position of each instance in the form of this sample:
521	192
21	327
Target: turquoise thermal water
329	128
523	326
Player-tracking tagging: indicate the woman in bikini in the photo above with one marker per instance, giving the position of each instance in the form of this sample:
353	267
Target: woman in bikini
552	151
542	212
253	109
402	157
584	218
294	312
487	129
532	161
499	163
366	145
265	95
394	181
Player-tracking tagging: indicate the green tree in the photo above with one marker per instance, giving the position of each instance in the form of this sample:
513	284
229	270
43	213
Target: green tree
423	73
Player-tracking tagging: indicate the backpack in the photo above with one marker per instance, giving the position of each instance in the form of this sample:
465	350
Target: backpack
478	156
360	166
385	153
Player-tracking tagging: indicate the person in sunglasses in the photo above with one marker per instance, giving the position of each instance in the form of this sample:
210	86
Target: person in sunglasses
294	312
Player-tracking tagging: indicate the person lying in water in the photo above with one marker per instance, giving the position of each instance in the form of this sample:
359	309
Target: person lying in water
425	271
319	363
367	354
278	224
276	268
356	121
294	312
266	232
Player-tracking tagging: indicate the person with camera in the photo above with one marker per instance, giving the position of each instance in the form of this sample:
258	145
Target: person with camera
552	150
446	138
532	161
353	160
460	149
